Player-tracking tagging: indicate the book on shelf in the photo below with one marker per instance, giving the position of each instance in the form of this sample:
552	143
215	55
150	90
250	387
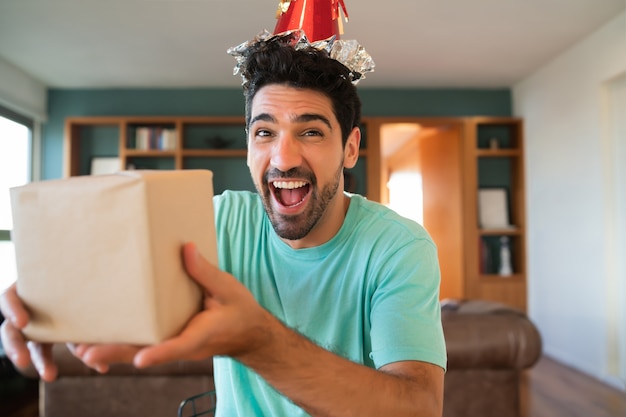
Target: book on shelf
155	138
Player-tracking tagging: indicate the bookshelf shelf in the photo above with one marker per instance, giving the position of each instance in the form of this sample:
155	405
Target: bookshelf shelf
217	143
519	278
225	153
149	153
500	232
495	153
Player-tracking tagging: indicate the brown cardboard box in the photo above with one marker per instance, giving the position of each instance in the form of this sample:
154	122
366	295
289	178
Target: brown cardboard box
99	257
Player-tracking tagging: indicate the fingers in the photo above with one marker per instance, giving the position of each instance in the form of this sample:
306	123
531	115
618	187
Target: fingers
22	352
167	351
200	269
16	318
100	357
185	346
41	356
12	308
216	282
195	264
14	344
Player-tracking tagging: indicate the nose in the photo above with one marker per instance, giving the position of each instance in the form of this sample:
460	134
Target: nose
286	153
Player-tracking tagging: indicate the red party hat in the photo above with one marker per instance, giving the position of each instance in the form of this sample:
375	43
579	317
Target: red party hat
310	24
319	19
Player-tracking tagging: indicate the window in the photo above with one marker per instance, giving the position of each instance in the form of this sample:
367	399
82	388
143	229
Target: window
15	170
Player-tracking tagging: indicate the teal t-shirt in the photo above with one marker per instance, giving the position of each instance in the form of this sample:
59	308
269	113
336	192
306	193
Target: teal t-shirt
370	294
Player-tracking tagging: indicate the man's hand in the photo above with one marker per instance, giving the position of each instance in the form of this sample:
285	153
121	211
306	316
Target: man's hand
232	323
20	351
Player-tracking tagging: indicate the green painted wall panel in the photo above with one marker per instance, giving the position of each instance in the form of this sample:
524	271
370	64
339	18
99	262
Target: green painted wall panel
63	103
436	102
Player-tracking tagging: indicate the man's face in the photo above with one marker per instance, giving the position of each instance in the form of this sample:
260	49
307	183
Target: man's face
296	159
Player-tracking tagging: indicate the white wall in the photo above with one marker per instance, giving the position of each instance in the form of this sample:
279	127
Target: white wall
563	105
22	93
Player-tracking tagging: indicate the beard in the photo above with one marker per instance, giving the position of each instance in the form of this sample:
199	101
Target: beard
295	227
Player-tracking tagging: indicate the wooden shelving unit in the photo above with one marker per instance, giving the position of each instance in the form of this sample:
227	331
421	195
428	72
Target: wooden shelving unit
494	159
215	143
455	158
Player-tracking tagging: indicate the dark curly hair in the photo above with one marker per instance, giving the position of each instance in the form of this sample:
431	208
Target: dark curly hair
308	68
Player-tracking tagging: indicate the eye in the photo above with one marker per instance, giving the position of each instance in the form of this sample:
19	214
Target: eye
313	132
263	135
313	135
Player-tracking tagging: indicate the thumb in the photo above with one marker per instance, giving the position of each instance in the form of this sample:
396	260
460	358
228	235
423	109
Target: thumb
202	271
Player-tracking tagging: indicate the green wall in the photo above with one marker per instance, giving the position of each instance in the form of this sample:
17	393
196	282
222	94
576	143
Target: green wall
64	103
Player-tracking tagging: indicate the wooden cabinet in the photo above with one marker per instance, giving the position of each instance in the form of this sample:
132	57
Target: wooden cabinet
494	161
456	158
177	142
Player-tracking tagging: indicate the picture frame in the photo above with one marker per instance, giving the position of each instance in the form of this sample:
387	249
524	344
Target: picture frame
104	165
493	208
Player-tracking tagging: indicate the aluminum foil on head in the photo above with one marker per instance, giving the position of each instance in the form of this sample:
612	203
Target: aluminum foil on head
348	52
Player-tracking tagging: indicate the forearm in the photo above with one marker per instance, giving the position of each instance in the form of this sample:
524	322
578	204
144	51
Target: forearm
326	385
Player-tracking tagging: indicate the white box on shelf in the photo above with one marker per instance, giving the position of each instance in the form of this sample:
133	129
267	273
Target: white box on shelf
493	209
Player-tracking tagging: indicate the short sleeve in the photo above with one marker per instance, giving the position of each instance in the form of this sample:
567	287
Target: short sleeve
406	314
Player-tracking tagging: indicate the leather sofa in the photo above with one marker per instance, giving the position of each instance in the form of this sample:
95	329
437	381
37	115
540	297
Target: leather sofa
488	344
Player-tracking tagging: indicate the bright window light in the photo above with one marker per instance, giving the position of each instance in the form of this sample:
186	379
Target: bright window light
14	171
406	195
8	269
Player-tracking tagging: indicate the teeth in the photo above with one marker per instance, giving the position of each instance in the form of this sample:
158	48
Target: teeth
290	185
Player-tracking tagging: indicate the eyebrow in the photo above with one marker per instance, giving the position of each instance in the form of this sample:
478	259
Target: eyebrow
265	117
302	118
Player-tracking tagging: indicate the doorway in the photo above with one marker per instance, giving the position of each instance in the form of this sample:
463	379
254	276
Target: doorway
421	178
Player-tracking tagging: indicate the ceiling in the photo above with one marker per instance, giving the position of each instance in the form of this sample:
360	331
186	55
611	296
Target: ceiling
182	43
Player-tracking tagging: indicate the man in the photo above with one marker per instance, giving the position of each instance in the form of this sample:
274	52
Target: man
325	304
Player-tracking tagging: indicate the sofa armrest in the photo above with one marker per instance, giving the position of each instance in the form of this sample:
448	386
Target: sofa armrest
489	335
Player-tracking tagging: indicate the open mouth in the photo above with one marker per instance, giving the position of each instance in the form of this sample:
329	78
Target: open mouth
290	193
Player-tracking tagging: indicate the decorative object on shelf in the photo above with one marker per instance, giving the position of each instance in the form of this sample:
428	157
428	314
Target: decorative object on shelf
494	144
104	165
155	138
505	268
485	257
218	142
493	210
